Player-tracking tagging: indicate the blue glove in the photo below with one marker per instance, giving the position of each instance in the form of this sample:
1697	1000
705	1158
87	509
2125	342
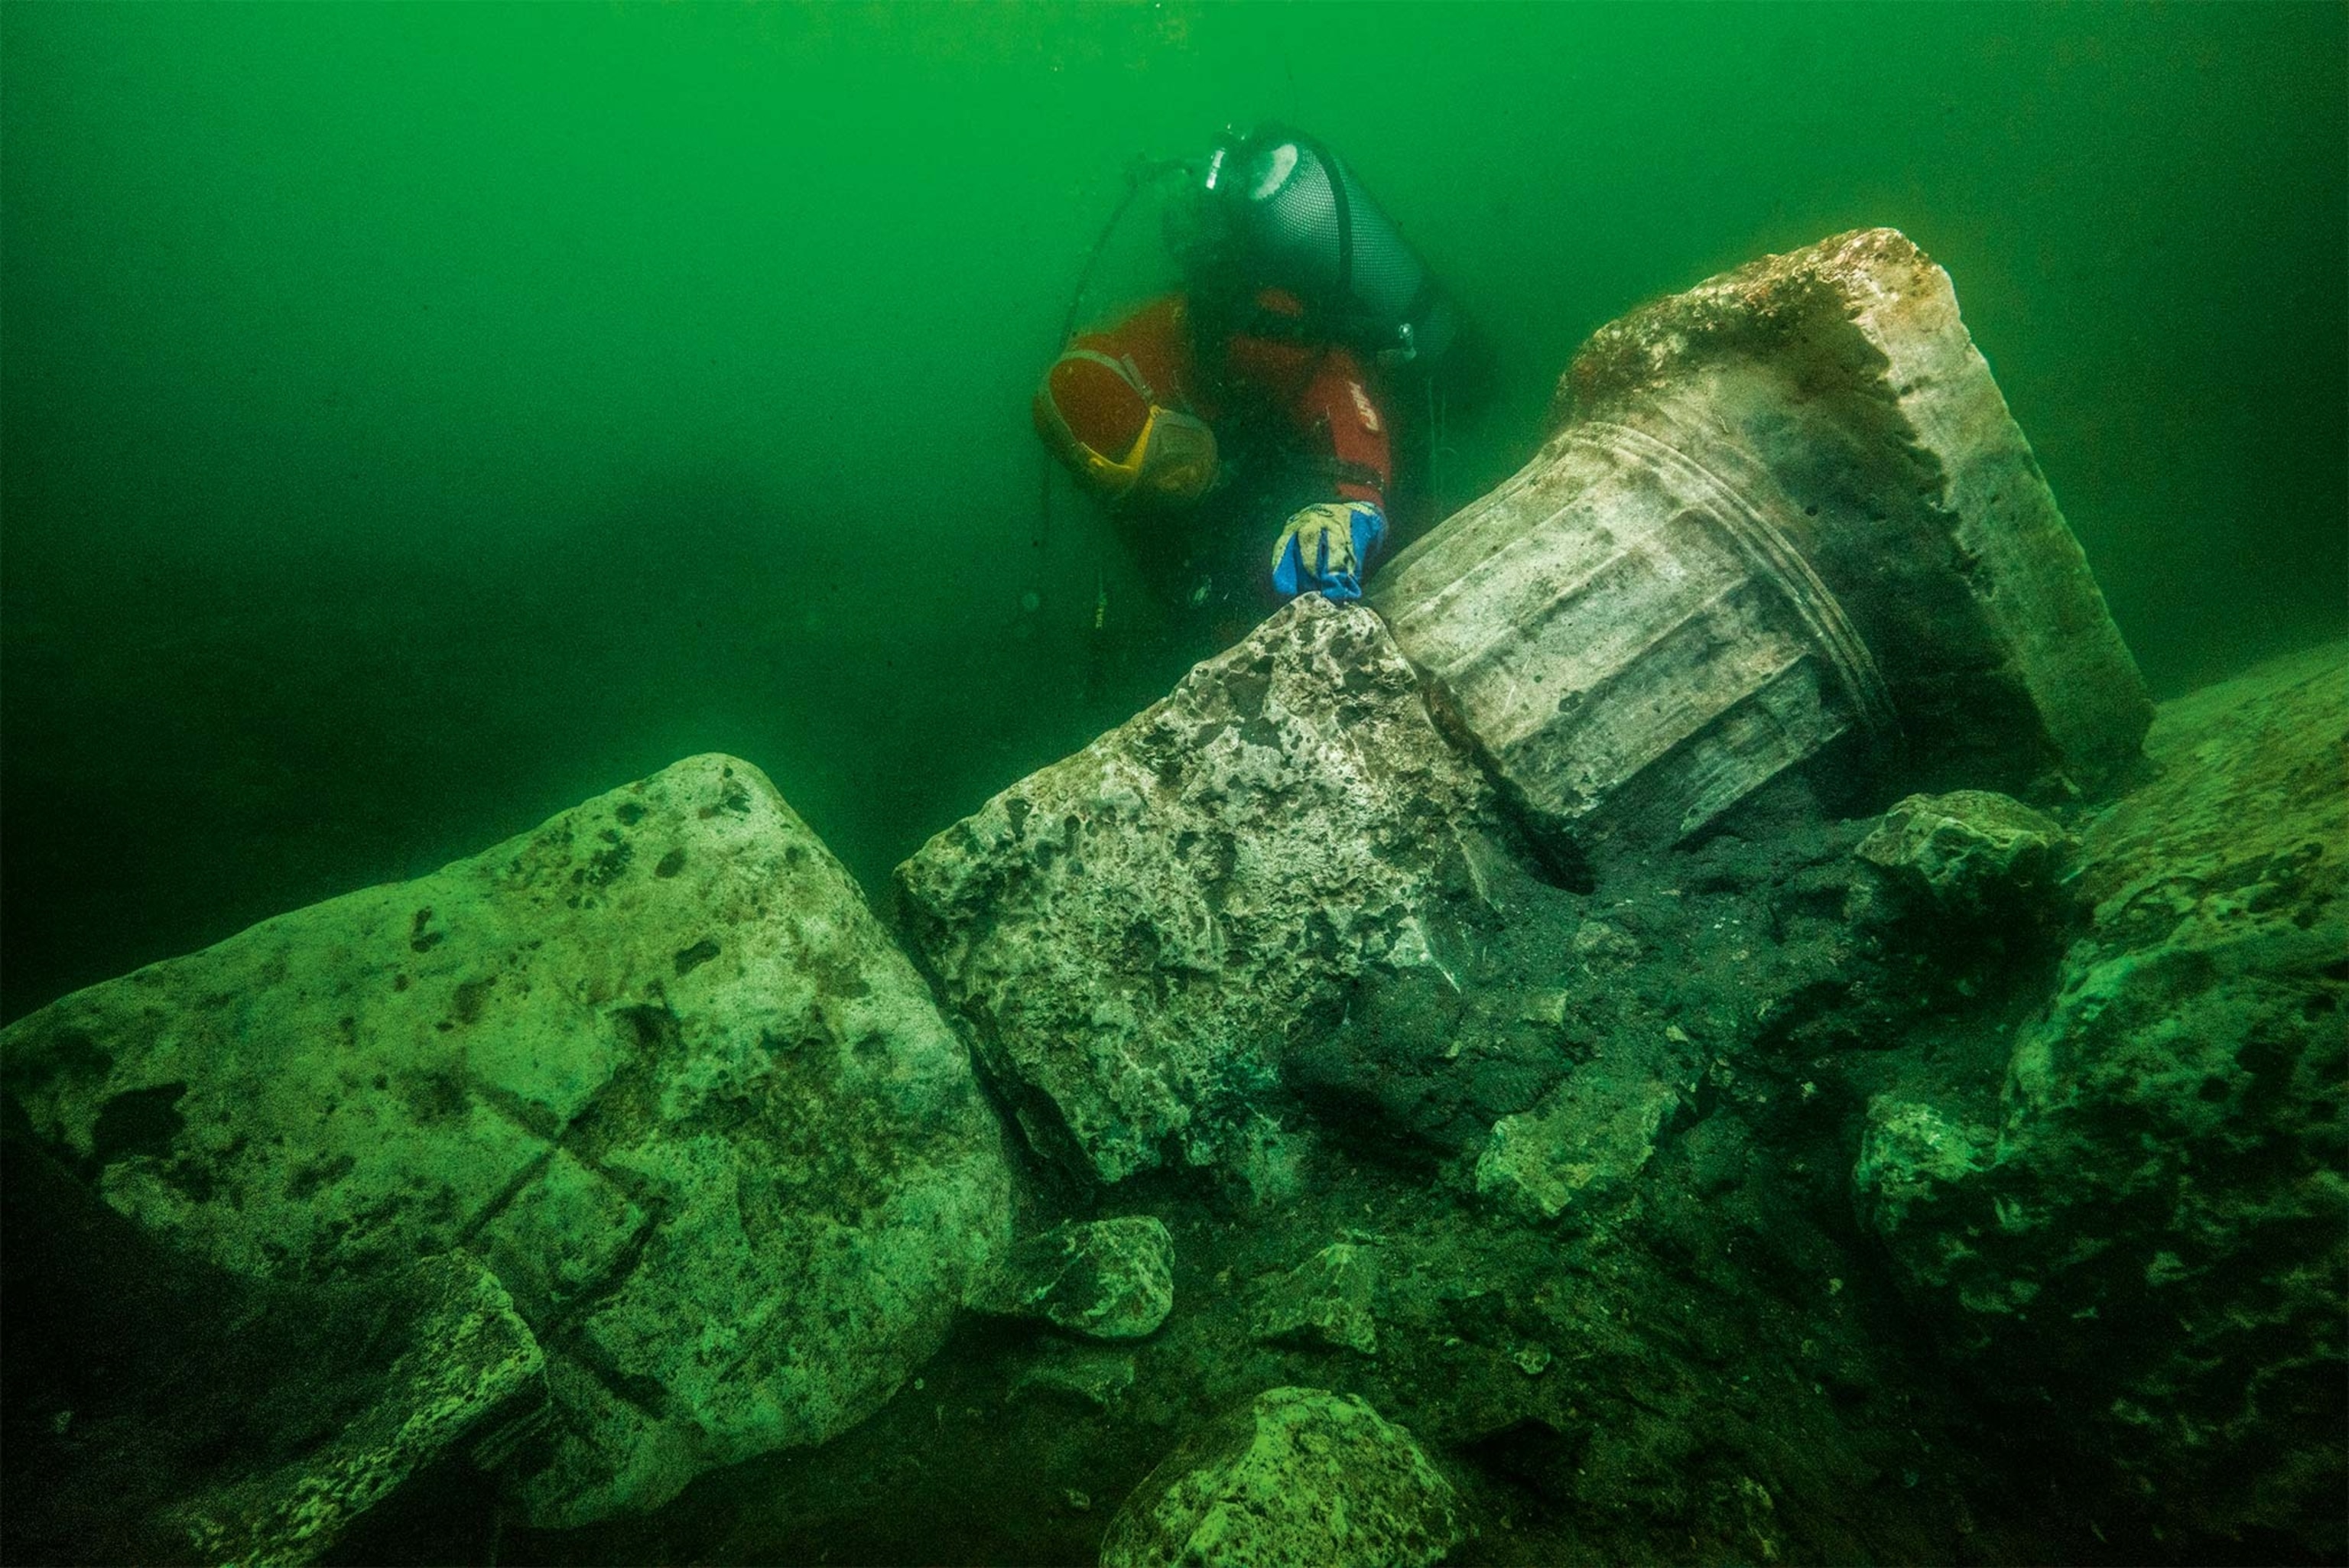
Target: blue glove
1329	547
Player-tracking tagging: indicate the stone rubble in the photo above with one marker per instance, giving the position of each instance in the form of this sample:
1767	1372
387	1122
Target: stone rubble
2152	1235
1494	1004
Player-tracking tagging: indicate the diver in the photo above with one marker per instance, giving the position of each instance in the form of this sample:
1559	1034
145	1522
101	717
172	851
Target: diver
1257	392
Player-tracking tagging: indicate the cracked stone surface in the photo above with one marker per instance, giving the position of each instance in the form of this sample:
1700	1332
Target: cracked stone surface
655	1063
467	1354
163	1409
1136	932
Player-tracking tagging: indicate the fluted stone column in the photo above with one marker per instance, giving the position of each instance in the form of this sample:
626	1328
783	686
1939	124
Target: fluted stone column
1784	509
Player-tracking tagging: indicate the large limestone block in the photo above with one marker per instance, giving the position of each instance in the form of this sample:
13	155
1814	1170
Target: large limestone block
1135	931
655	1063
1299	1478
1786	509
2153	1243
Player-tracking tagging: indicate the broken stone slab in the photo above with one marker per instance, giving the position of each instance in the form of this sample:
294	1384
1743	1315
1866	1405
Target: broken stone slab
1783	510
163	1409
2149	1249
1104	1279
1324	1303
1299	1478
1579	1152
1135	932
655	1063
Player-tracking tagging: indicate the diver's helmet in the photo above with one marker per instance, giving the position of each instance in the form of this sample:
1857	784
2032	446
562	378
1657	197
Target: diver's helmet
1118	436
1278	209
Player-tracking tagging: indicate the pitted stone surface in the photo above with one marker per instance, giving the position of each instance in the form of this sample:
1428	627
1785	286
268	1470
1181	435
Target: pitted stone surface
1297	1479
1134	931
654	1062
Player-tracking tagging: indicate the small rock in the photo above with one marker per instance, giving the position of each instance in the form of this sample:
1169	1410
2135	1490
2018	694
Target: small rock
1578	1151
1324	1303
1549	1009
1909	1156
1596	939
1716	1151
1105	1279
1095	1374
1970	852
1268	1164
1299	1478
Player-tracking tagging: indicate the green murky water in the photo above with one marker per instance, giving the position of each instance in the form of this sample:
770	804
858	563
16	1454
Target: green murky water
420	417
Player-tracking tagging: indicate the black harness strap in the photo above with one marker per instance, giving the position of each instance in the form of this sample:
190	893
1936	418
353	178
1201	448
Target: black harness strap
1345	226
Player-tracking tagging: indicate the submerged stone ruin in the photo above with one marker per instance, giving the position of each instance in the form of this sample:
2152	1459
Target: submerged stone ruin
1784	509
1686	1029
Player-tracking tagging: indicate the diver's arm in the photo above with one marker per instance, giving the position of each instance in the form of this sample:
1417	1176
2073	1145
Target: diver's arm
1327	548
1339	407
